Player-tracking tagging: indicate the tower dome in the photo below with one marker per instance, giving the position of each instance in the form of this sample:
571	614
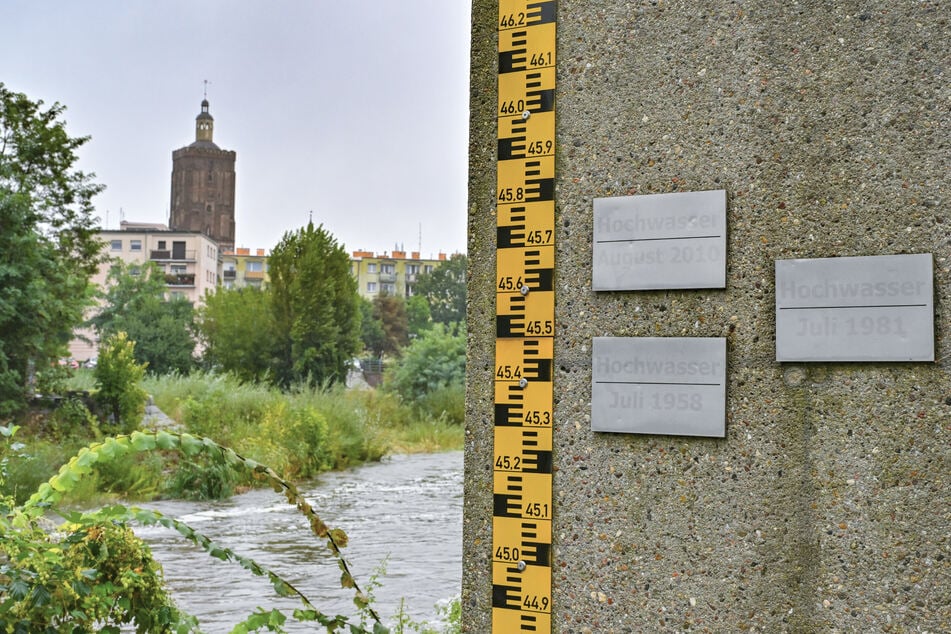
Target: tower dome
204	125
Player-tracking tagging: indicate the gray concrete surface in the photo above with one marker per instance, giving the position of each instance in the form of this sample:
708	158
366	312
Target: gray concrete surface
826	507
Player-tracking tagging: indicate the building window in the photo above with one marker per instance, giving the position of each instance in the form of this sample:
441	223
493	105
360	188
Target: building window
371	287
178	269
115	245
389	289
254	267
412	269
429	268
371	267
161	245
388	268
135	245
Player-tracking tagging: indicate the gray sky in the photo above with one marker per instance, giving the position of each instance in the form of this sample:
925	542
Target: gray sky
356	110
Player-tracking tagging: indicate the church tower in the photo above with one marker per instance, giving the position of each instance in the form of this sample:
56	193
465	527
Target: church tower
203	185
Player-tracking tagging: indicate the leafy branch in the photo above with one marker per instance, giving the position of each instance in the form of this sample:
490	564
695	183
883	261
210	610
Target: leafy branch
51	492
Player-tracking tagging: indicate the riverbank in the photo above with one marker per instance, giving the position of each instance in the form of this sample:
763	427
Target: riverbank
299	434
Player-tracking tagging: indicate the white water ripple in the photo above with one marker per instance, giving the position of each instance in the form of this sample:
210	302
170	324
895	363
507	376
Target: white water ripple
406	510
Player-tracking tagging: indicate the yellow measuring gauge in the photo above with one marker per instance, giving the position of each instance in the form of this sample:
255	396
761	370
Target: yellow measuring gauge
530	359
526	224
525	318
523	49
526	137
523	449
530	91
526	180
529	405
518	13
531	267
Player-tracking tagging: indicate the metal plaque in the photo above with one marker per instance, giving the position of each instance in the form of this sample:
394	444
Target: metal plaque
660	241
659	385
871	308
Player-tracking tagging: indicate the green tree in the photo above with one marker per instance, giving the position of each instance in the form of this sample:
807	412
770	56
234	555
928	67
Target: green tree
135	303
434	361
391	312
118	379
418	317
48	245
445	290
371	328
237	330
316	307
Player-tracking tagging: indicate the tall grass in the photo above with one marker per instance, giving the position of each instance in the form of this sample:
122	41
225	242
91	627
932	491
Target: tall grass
303	431
299	433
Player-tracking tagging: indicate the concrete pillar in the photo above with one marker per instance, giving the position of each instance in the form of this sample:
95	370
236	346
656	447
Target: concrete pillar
826	506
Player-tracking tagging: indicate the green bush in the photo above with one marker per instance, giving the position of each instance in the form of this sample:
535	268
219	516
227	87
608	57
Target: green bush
70	418
431	374
131	476
99	577
447	403
118	378
224	408
33	462
203	478
354	434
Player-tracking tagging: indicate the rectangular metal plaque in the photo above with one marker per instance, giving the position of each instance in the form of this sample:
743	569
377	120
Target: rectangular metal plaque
659	385
871	308
660	241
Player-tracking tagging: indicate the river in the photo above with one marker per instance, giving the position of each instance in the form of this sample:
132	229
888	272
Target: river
405	511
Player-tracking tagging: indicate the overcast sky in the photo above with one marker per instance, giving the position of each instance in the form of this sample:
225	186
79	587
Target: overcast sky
356	110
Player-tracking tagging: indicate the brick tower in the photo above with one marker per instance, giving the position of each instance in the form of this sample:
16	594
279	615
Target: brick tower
203	185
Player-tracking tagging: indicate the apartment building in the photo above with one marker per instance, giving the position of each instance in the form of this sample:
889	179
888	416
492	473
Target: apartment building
390	273
242	268
189	261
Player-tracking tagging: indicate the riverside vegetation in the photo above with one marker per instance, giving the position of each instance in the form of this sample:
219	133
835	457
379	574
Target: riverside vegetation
269	394
93	572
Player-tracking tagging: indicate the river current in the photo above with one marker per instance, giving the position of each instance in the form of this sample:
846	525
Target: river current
404	514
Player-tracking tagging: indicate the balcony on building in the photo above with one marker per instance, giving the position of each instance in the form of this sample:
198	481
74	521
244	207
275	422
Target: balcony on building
229	274
180	279
254	275
173	255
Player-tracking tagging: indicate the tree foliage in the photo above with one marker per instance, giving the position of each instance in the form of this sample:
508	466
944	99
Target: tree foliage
435	360
418	316
316	307
118	378
48	246
445	290
391	313
237	329
135	303
371	328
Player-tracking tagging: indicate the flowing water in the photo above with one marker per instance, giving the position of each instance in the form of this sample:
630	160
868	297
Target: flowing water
405	511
